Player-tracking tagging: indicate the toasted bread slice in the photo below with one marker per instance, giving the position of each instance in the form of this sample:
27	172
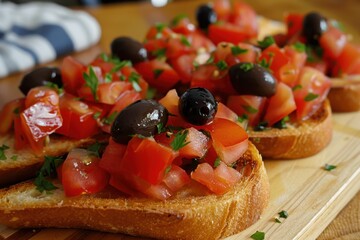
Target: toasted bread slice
23	164
345	98
187	215
299	140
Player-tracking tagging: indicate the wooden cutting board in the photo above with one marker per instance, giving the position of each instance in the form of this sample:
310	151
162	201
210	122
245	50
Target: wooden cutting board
311	195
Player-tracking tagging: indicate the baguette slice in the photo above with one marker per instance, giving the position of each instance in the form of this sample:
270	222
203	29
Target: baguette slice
23	164
345	97
299	140
187	215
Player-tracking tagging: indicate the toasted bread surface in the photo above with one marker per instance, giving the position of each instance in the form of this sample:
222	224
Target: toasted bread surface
345	98
299	140
187	215
25	164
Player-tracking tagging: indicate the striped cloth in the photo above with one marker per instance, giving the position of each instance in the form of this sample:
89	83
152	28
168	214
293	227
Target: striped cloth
37	32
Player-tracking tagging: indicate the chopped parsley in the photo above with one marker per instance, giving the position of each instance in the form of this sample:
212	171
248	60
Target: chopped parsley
134	80
14	157
277	220
150	93
247	66
157	72
161	128
168	169
217	162
249	109
258	235
242	118
329	167
55	87
96	115
261	126
159	53
108	78
177	19
282	123
96	148
299	47
283	214
268	41
222	65
264	63
236	50
48	169
310	97
119	65
159	29
185	41
179	140
110	119
2	152
210	60
16	111
297	87
92	82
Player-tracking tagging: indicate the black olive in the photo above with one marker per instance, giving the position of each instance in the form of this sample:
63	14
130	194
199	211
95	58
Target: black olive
127	48
197	106
252	79
205	15
40	77
314	25
141	117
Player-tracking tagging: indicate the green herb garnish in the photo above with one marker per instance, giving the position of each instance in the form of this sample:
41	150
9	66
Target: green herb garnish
96	115
179	140
266	42
222	65
96	148
48	169
247	66
92	82
16	111
277	220
177	19
110	119
242	118
185	41
168	169
134	80
157	72
299	47
236	50
55	87
296	87
150	93
2	152
159	53
283	214
210	60
14	157
217	162
329	167
264	63
261	126
310	97
249	109
282	123
161	128
258	235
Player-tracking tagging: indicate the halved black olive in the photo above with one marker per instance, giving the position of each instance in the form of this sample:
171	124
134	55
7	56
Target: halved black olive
252	79
205	15
314	25
126	48
139	118
40	77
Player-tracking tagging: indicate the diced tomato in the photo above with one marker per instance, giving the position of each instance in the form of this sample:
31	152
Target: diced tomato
81	173
230	140
275	57
225	112
21	141
348	63
280	105
109	92
159	31
333	42
289	73
72	74
227	32
146	159
134	78
251	107
294	23
182	24
199	42
226	174
79	118
112	156
184	66
171	101
222	9
232	54
124	100
176	178
244	16
8	114
197	144
158	74
41	94
310	91
177	46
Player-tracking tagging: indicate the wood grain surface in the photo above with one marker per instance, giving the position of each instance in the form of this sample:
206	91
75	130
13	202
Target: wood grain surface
313	197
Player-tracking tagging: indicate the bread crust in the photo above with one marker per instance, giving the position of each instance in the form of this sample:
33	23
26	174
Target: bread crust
301	140
345	98
27	164
185	216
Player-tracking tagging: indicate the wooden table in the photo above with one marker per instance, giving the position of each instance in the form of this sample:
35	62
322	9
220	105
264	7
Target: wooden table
134	19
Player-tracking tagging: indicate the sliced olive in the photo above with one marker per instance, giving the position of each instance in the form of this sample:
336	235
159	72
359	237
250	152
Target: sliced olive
129	49
252	79
205	15
40	77
197	106
314	25
139	118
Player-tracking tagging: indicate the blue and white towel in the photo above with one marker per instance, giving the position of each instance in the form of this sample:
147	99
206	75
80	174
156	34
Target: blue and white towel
37	32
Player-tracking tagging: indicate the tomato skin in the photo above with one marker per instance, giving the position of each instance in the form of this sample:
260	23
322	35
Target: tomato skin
112	156
176	178
280	105
81	173
78	118
251	106
146	159
227	32
158	74
183	26
109	92
184	66
294	22
41	94
72	74
333	42
225	112
230	140
348	62
312	82
244	16
8	114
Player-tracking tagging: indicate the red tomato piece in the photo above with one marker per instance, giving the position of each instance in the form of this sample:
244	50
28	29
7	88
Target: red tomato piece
41	94
81	173
280	105
197	144
8	114
227	32
230	140
109	92
184	66
72	74
226	174
222	9
275	57
158	74
146	159
112	156
176	178
246	105
183	25
244	16
294	23
333	42
348	63
313	87
225	112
